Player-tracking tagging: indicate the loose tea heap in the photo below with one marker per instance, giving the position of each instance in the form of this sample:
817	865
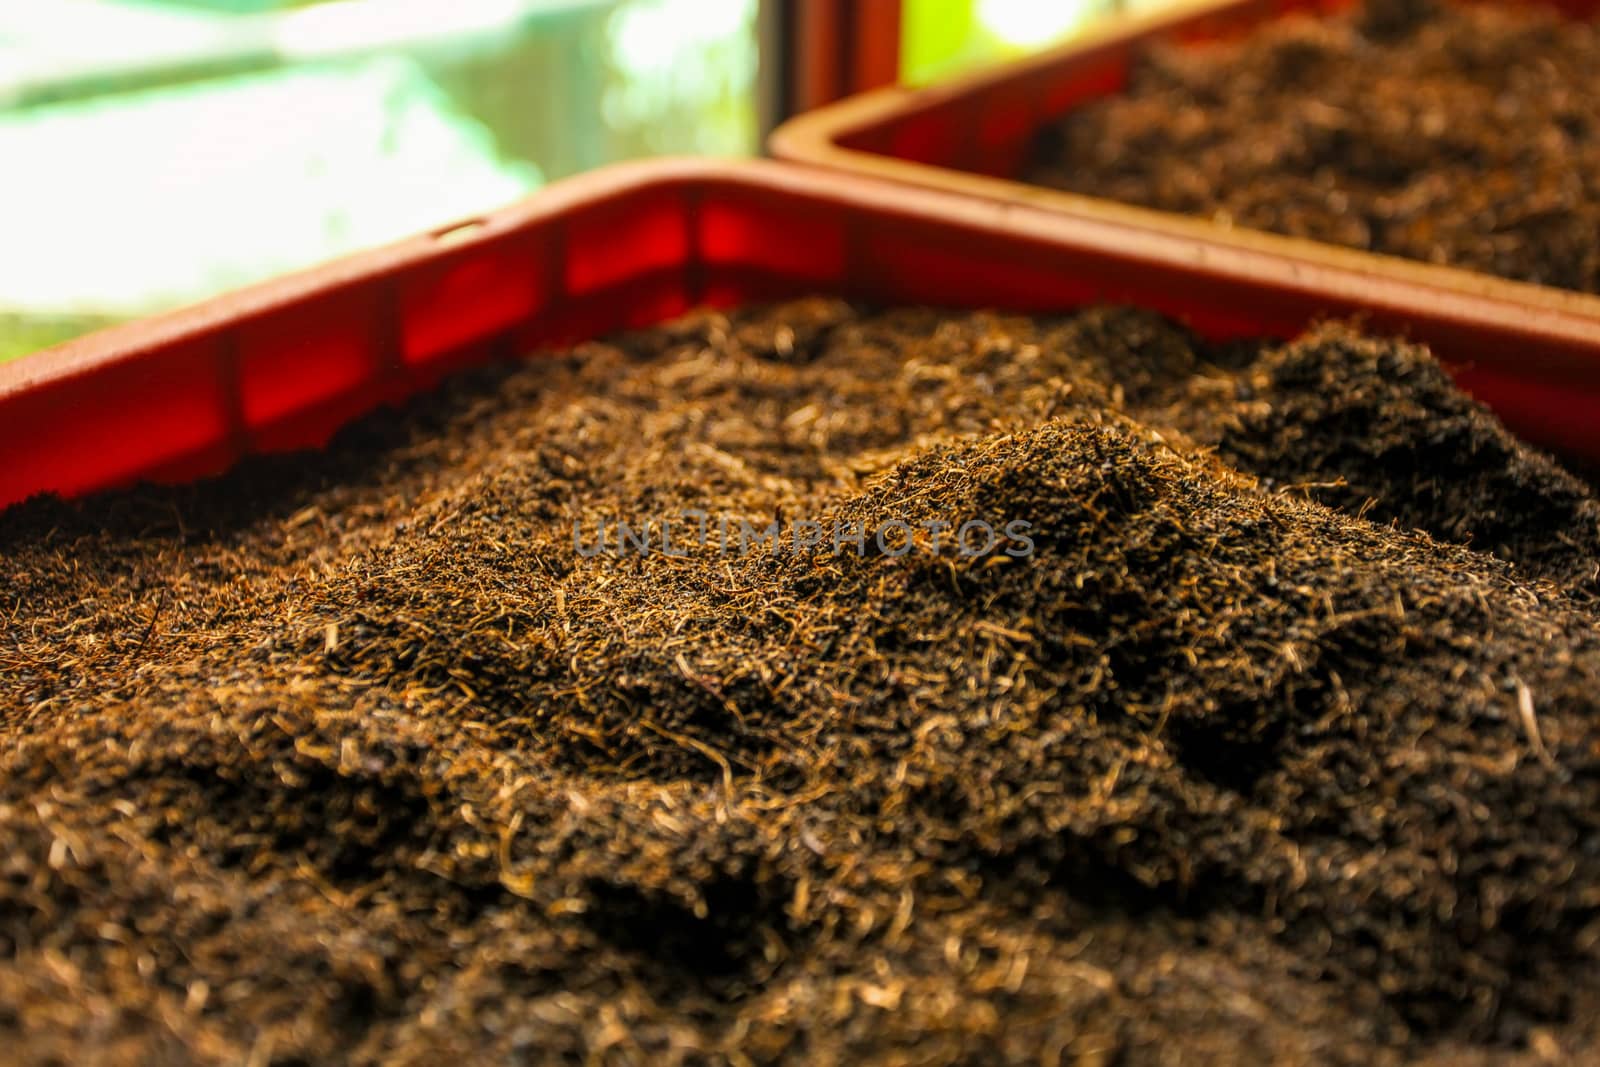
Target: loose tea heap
1454	133
1280	741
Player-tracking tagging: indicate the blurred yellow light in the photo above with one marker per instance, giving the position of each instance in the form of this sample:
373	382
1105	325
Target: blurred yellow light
1029	23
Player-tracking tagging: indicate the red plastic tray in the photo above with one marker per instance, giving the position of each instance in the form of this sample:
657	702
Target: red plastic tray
281	365
970	136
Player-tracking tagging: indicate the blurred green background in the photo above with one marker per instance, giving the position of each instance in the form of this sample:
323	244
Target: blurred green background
159	151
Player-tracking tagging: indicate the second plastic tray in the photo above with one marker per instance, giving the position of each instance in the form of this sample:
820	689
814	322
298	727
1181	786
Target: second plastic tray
281	365
971	136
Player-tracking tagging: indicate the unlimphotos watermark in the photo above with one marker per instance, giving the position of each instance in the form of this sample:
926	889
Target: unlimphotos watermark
692	530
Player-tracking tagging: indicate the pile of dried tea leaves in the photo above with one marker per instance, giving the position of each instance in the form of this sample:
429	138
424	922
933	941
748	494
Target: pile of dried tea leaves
1463	134
1282	744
